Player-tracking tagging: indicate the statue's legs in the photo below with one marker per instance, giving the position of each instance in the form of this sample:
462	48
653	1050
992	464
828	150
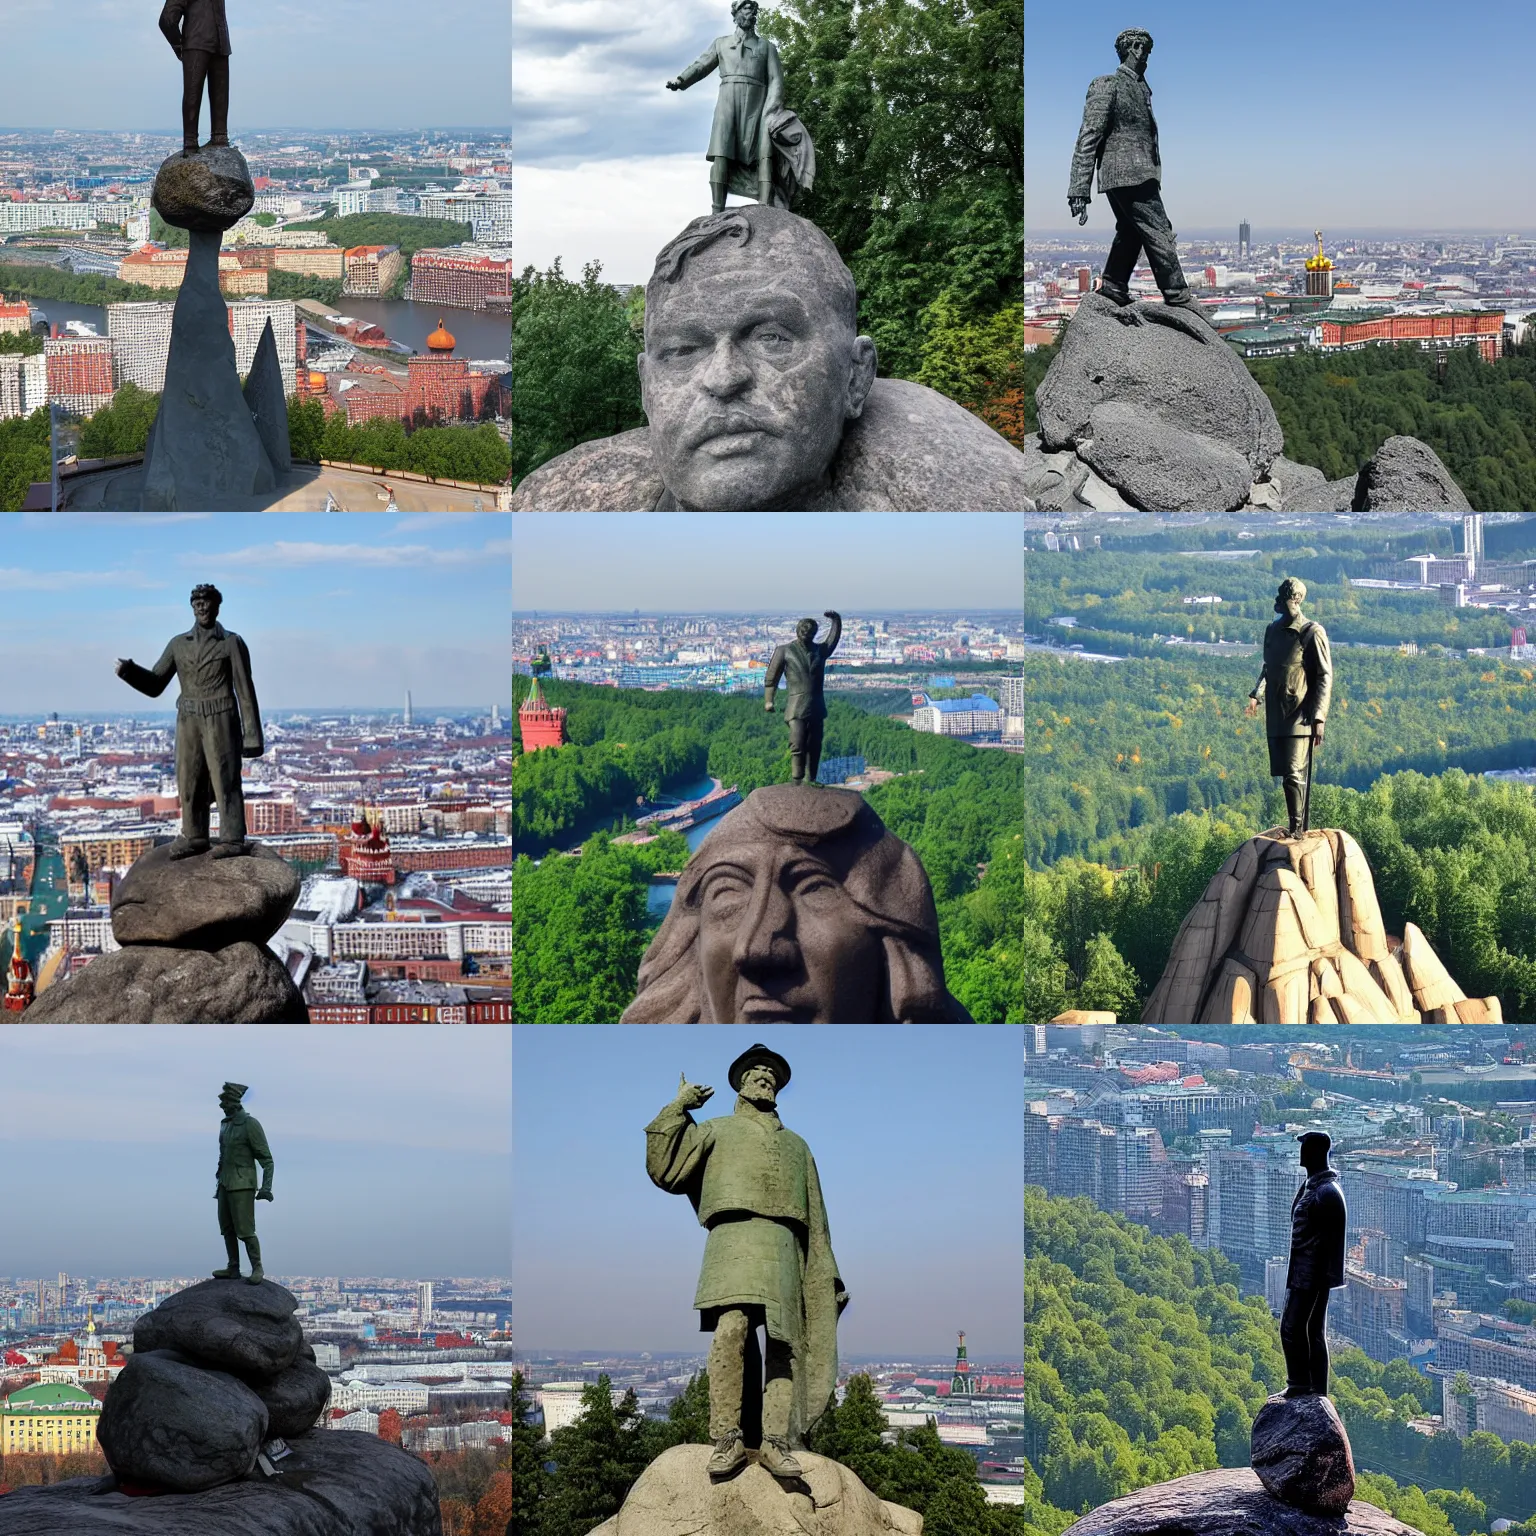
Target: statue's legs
765	170
1141	223
253	1250
193	786
778	1404
798	739
227	1230
719	176
198	65
1304	1342
813	735
1288	763
727	1353
221	755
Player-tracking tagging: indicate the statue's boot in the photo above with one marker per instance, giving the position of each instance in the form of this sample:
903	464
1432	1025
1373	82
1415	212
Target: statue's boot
717	183
730	1455
1293	796
777	1457
185	847
219	141
1117	293
797	767
253	1249
231	1271
231	850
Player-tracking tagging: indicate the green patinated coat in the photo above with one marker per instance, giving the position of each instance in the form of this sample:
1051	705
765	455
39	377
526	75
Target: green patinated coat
242	1145
755	1189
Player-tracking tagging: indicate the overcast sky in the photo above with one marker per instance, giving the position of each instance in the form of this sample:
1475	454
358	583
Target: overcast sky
917	1132
349	609
351	64
758	562
1396	114
391	1147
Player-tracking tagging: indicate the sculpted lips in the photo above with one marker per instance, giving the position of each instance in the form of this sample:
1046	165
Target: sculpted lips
731	433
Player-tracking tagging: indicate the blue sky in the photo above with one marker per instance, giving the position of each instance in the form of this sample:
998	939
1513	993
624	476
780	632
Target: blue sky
760	562
102	64
917	1136
346	609
1378	113
390	1145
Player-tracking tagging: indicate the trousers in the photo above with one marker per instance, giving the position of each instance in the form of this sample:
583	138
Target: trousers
198	66
208	773
237	1214
727	1367
805	743
1141	223
1288	763
1303	1342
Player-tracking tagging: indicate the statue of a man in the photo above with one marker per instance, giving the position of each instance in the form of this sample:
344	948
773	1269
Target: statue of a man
242	1145
803	662
1317	1266
1295	683
767	1261
1119	137
198	31
217	723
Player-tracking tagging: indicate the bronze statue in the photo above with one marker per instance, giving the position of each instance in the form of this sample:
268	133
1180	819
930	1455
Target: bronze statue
198	32
803	663
1295	682
217	723
1318	1221
767	1262
242	1145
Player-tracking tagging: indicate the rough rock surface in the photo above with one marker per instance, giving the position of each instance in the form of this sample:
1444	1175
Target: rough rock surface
1302	1455
242	983
294	1399
203	449
912	450
203	902
172	1424
1159	465
268	404
1290	932
1327	496
335	1483
675	1497
1231	1502
208	192
229	1325
1407	476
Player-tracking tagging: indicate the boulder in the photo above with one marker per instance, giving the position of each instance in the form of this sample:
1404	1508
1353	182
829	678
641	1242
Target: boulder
242	983
1293	478
208	192
1231	1502
1302	1456
203	902
1427	976
168	1423
333	1483
229	1325
1407	476
1329	496
675	1497
295	1399
1159	466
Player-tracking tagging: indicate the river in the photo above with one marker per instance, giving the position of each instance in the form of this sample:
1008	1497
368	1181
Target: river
658	899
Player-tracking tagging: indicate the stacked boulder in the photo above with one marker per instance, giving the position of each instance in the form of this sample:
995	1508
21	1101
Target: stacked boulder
1146	408
193	934
1290	931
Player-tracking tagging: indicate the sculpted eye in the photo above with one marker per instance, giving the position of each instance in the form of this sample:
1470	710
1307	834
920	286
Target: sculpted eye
816	885
772	338
682	351
725	891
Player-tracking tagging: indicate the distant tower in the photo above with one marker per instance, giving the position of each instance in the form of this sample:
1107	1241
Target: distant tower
1244	239
409	718
1319	273
424	1306
19	988
495	717
960	1382
1472	541
541	724
366	858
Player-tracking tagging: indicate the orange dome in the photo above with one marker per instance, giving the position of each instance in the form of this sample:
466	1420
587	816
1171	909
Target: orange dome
441	340
316	380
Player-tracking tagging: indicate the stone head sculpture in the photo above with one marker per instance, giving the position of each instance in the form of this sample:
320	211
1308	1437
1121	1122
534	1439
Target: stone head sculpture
1290	597
753	363
1133	45
798	908
206	602
805	631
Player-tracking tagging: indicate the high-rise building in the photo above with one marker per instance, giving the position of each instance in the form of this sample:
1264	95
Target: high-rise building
458	280
1472	541
409	719
424	1305
1244	239
141	334
80	373
248	319
23	218
1011	695
1275	1271
23	384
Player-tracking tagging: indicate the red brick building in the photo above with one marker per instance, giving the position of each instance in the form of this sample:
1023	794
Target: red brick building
541	724
411	856
458	282
79	373
1483	327
366	857
442	388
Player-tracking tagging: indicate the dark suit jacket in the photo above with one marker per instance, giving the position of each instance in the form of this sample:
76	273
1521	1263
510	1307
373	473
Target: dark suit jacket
243	1144
1296	682
1119	135
1317	1234
805	667
209	670
196	24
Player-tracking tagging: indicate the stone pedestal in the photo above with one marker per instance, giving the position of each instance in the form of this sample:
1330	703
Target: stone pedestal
1302	1454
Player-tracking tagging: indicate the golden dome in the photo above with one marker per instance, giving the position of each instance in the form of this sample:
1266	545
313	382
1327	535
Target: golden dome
316	380
1319	262
441	340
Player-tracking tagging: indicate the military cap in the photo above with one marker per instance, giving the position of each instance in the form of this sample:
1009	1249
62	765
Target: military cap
234	1090
758	1056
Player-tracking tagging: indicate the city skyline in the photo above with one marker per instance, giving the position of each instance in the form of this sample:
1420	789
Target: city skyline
604	1260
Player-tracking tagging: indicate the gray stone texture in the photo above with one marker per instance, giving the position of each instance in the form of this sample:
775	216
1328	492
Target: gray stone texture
1407	476
208	192
202	902
1292	477
674	1496
268	404
335	1483
1328	496
295	1399
204	448
1302	1454
229	1325
242	983
1231	1502
171	1424
1162	467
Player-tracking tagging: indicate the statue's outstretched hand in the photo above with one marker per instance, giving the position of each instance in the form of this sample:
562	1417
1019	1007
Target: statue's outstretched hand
832	613
676	84
122	665
1252	707
692	1095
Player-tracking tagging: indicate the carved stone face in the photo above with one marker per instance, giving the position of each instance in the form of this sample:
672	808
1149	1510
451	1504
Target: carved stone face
745	15
781	941
748	377
205	611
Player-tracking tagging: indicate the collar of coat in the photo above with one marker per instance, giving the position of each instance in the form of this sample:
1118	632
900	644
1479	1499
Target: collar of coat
765	1117
1129	72
215	629
1322	1176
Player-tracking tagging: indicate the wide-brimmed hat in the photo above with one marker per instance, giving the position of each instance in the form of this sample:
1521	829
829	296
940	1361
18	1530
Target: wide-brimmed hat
758	1056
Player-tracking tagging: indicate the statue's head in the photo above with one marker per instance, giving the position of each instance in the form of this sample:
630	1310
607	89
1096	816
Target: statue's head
1134	44
1314	1150
744	13
753	363
1290	597
758	1075
230	1095
800	907
206	602
805	631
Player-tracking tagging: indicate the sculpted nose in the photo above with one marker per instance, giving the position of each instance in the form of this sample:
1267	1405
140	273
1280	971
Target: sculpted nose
727	374
765	941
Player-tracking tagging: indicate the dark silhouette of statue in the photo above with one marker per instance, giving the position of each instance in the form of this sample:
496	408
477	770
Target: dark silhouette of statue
217	724
804	663
1316	1267
242	1145
1295	683
198	31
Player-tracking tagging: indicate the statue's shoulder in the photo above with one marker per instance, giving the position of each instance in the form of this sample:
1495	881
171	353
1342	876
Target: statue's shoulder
609	474
915	450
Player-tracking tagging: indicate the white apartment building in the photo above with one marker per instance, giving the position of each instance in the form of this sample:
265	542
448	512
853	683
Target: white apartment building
141	337
23	384
23	218
248	319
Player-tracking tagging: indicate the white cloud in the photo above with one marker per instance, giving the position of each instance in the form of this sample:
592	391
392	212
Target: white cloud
290	553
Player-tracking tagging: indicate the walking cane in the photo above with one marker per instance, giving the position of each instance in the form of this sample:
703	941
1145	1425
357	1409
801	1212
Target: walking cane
1306	799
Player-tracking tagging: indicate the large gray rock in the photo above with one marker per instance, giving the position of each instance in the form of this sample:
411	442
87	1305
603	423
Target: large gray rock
295	1399
208	192
167	1423
1407	476
242	983
335	1483
912	450
1293	478
230	1325
269	405
1169	364
1162	468
203	902
1329	496
1227	1503
203	449
1302	1455
675	1497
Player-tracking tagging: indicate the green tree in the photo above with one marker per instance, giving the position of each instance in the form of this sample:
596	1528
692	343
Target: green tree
24	457
597	1459
529	1477
122	427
